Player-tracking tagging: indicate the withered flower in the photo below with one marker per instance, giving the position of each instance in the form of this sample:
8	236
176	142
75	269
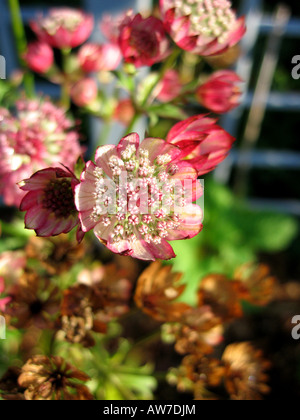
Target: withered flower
197	333
57	254
218	292
34	301
156	293
10	389
53	379
245	375
198	374
255	284
90	306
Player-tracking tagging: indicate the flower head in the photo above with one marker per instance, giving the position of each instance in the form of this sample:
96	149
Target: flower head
204	144
10	390
39	136
245	375
157	291
96	57
101	295
143	42
33	301
169	87
49	202
64	27
53	379
84	92
39	57
133	198
220	93
204	27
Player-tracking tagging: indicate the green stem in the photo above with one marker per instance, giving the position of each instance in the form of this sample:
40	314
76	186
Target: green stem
166	66
133	122
21	43
65	91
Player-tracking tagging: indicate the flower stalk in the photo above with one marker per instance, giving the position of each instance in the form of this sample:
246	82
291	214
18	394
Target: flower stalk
21	43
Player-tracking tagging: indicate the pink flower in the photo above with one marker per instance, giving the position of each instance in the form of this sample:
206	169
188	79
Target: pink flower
3	301
84	92
169	88
49	202
143	42
220	93
39	57
124	111
64	27
38	136
203	143
132	198
204	27
95	57
110	25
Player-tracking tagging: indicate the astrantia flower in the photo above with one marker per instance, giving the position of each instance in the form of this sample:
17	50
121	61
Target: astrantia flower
39	136
133	198
95	57
220	93
49	202
64	27
204	144
10	390
53	379
143	42
84	92
204	27
39	57
169	87
245	375
89	306
33	301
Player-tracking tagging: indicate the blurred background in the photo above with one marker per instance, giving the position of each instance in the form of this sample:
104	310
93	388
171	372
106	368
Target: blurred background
252	201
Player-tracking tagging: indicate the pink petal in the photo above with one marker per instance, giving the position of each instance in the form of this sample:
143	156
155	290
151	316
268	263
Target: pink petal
157	147
130	140
3	303
103	232
87	221
103	155
38	180
30	200
2	285
191	224
36	217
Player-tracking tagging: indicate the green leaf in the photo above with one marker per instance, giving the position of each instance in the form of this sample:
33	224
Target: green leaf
167	111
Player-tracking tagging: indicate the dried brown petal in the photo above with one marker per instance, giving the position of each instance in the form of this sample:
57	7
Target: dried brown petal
255	284
245	377
53	379
219	293
157	291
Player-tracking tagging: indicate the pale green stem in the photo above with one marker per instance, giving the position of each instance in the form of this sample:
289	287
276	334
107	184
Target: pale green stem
21	43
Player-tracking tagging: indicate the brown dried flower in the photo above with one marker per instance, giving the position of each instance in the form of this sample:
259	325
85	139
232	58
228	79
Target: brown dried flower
57	254
197	333
90	306
10	389
218	292
245	376
255	284
34	301
156	293
53	379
